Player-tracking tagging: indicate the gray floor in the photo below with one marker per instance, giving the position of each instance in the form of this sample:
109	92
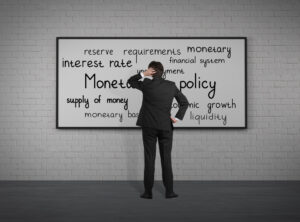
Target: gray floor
119	201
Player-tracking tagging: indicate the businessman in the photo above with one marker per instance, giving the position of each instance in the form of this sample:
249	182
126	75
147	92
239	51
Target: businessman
157	123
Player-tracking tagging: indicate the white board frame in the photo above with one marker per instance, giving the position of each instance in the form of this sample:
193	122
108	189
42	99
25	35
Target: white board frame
137	127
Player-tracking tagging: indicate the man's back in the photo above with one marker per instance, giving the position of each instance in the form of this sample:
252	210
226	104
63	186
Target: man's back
158	95
156	123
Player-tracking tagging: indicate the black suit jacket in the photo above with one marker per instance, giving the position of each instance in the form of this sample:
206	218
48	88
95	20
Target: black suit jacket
158	95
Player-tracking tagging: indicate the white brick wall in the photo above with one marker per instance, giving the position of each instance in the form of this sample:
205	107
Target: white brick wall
31	148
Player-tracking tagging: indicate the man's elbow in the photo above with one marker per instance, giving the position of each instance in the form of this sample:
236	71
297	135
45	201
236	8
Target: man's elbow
129	82
185	103
132	85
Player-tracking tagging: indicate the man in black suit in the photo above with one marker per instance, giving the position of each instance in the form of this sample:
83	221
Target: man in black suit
157	123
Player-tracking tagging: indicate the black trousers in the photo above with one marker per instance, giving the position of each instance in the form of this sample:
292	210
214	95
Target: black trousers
165	139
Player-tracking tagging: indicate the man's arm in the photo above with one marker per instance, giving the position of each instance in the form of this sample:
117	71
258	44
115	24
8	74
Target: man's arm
183	104
134	81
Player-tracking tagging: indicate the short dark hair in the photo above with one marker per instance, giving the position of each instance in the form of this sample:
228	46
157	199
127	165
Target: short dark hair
158	67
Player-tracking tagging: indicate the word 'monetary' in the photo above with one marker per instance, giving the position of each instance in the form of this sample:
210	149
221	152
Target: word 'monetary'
104	115
213	49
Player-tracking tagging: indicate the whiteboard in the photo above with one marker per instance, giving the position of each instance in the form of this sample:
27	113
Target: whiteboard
92	74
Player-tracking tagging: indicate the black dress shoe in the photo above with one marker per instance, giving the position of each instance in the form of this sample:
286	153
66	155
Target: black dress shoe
171	195
146	195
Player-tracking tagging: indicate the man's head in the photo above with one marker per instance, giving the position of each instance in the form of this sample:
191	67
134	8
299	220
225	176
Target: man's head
158	67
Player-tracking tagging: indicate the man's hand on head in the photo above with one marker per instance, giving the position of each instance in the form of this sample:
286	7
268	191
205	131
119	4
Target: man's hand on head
149	72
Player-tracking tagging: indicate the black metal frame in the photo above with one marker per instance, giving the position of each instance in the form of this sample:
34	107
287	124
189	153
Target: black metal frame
164	37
